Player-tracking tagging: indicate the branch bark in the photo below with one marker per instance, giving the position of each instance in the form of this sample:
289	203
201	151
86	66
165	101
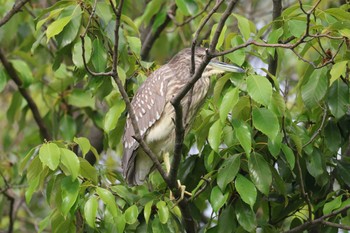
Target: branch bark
273	61
44	133
15	9
320	220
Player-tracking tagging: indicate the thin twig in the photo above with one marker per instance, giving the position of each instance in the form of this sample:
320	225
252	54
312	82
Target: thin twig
200	28
44	133
93	73
172	17
336	225
90	18
318	131
15	9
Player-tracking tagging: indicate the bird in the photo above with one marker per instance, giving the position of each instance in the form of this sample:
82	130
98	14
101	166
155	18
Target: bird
155	114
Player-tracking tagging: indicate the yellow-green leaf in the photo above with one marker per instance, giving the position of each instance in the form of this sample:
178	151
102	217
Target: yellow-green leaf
50	155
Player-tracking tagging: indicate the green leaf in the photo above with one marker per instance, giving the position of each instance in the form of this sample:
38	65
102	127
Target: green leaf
228	102
338	69
109	200
343	171
288	153
131	214
267	122
181	4
68	127
316	87
34	170
99	56
277	104
158	227
129	22
44	223
243	134
123	192
77	53
90	211
332	205
71	30
57	26
260	89
332	136
112	116
228	171
84	144
245	216
24	162
121	74
70	160
104	11
135	44
274	145
314	164
214	136
338	98
244	26
260	173
221	37
238	57
50	155
147	211
3	79
275	35
87	170
152	8
297	27
81	99
246	190
217	199
69	191
25	73
15	107
163	211
226	221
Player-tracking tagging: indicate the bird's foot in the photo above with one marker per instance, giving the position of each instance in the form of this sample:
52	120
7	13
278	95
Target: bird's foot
183	192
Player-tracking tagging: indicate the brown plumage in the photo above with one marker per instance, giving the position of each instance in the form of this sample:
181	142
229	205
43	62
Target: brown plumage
154	112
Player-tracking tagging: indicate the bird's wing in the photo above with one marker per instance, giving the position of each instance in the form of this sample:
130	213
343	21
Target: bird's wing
148	105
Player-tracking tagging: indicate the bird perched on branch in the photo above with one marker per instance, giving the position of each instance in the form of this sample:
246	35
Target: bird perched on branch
155	114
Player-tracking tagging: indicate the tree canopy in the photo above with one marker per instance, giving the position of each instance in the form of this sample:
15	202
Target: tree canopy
268	151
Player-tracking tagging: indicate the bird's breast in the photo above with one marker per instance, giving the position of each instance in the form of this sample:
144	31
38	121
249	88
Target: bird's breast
162	134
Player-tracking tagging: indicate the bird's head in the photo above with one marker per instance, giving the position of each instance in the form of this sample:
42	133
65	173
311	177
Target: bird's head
214	66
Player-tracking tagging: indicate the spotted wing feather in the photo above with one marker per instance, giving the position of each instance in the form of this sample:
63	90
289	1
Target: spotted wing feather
148	105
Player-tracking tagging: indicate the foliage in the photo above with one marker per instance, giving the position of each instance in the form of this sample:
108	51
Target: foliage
268	149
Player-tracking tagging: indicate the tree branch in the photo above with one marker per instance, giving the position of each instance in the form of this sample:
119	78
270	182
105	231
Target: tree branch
152	37
44	133
273	61
15	9
320	220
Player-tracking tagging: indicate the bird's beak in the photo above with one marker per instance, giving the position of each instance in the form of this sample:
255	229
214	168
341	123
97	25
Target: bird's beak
221	67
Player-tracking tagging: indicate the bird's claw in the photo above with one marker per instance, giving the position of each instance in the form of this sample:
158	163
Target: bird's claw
182	193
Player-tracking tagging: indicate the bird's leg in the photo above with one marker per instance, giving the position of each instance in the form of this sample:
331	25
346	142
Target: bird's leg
166	162
181	187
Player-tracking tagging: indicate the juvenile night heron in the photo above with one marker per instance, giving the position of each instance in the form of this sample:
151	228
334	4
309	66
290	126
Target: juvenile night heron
155	114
